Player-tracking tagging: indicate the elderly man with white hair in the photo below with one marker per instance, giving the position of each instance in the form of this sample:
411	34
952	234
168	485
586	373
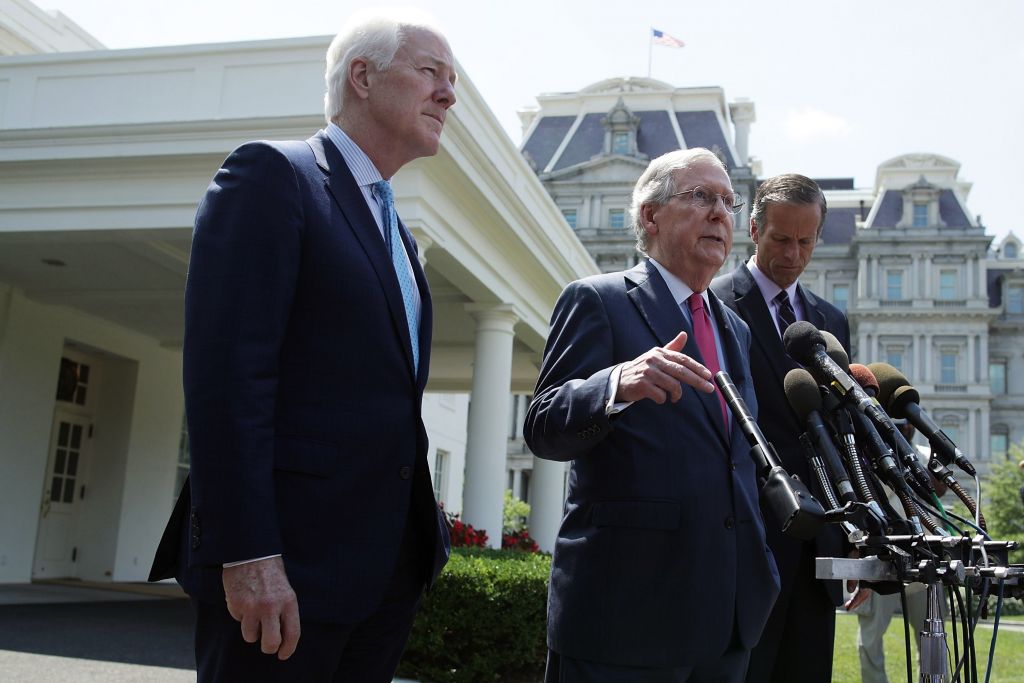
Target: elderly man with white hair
309	509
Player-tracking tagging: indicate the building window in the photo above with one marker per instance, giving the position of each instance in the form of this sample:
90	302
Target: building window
998	445
1015	299
1010	250
894	285
620	143
951	427
184	458
570	217
997	376
524	486
617	218
440	472
920	215
894	357
947	367
841	297
947	284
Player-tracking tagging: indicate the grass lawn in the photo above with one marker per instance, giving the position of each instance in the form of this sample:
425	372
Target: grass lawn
1007	667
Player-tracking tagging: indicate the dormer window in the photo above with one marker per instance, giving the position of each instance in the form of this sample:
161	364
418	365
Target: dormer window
620	143
921	205
620	127
1010	250
920	219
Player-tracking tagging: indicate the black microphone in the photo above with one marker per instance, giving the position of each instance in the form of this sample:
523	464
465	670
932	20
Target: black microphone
805	398
921	481
806	345
798	512
903	402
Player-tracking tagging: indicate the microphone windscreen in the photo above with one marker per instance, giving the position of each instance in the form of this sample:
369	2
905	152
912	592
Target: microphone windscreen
889	380
836	351
800	338
865	378
900	399
802	392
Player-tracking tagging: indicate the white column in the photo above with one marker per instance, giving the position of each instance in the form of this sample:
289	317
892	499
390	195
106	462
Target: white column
546	487
982	277
487	438
929	377
862	278
972	367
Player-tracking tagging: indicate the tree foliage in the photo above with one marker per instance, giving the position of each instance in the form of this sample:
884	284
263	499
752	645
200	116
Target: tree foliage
1002	503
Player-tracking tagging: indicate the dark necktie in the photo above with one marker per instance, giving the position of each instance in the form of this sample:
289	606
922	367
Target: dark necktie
396	249
705	338
785	312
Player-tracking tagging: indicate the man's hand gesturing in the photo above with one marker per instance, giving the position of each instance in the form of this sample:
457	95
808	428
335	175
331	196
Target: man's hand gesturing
660	374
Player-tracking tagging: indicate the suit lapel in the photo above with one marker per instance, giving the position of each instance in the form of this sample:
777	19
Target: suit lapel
659	310
341	185
754	310
810	304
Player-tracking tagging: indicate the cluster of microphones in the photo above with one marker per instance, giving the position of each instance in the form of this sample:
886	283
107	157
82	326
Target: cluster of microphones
853	445
856	452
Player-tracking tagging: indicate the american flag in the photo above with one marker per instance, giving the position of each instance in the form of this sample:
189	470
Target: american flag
661	38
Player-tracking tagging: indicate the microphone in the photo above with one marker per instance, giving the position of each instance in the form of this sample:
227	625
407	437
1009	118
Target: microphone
835	350
806	345
805	398
799	513
907	453
903	402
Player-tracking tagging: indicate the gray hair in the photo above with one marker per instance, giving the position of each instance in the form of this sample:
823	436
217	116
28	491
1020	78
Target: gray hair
788	188
657	184
374	35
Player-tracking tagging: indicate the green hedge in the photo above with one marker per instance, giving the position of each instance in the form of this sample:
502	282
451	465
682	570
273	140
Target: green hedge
484	620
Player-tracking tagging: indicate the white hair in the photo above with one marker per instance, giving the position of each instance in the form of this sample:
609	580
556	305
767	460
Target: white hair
657	184
374	34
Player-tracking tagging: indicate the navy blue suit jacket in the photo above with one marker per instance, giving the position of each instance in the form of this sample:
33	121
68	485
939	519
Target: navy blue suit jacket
303	407
781	426
662	542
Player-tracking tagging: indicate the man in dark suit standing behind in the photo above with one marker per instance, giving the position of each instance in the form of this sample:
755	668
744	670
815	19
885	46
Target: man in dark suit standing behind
307	344
785	224
660	571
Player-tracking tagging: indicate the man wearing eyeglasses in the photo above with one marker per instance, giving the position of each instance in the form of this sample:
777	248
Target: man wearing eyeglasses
785	224
660	570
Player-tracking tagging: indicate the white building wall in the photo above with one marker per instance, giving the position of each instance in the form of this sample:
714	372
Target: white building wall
132	455
446	416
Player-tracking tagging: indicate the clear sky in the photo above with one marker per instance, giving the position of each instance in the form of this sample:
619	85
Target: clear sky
839	87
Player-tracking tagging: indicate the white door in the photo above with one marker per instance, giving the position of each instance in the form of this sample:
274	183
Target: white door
64	488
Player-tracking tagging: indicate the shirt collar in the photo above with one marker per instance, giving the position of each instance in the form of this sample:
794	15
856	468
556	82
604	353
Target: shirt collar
679	289
769	290
363	170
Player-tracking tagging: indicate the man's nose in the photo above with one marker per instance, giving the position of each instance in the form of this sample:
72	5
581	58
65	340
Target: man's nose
445	95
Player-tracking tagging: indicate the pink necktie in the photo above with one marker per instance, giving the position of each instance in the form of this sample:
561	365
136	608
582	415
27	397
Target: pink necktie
705	338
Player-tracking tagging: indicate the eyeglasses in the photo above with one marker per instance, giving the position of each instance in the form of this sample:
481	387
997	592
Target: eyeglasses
705	198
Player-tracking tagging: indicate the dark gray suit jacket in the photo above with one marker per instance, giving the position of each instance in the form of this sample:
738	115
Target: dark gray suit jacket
662	542
781	426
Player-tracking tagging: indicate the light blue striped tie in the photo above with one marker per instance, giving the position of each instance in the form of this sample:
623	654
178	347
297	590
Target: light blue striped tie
398	260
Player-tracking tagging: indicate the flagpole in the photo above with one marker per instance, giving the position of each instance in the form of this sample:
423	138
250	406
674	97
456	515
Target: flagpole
650	49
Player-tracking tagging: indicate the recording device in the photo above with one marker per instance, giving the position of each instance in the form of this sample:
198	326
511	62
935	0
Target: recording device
907	453
805	398
903	400
798	512
806	345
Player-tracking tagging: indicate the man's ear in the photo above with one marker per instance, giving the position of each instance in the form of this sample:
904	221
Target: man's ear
753	230
359	77
647	218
